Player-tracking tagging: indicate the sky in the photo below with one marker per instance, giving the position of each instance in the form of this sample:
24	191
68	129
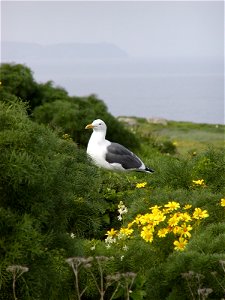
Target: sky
174	29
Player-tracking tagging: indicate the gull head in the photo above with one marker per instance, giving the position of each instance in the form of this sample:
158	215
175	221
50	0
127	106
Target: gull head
97	125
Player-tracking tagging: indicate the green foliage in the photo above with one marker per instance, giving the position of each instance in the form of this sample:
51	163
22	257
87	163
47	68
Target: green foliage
166	147
71	116
211	167
47	192
205	258
54	204
17	79
47	92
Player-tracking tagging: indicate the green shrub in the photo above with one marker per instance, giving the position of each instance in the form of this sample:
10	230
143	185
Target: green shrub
71	116
48	191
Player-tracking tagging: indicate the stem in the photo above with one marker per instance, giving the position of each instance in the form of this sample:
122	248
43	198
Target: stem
83	291
189	287
75	271
127	289
102	292
219	282
77	284
14	285
114	293
95	281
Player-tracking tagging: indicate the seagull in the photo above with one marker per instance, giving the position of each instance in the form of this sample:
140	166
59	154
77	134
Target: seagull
111	156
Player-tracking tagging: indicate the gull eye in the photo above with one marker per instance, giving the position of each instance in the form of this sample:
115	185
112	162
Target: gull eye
100	124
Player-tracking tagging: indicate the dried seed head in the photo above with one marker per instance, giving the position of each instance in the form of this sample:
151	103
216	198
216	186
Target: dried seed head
87	266
102	258
204	292
129	275
114	277
17	269
222	262
77	260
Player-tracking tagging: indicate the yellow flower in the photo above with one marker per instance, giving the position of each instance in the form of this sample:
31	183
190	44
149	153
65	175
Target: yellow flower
166	210
147	233
158	218
200	214
180	244
185	217
163	232
153	218
222	202
126	231
172	205
187	206
174	220
137	220
141	185
184	230
129	225
199	182
175	229
111	232
143	219
155	209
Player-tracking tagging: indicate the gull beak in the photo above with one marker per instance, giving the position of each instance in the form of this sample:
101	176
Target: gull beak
89	126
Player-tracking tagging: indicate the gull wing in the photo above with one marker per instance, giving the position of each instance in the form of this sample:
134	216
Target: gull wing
118	154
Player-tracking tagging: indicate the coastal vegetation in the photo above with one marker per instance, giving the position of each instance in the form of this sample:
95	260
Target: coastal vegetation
69	230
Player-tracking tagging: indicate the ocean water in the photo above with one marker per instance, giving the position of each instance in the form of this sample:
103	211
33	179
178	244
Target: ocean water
187	91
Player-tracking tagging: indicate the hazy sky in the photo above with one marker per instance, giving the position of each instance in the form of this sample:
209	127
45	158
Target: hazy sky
142	28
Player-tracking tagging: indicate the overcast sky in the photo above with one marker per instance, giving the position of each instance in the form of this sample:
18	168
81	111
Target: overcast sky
153	29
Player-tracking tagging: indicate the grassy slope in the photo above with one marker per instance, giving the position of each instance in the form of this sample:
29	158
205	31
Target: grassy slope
188	137
193	137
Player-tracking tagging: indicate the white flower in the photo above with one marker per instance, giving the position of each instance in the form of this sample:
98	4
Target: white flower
120	218
121	236
110	240
72	235
125	248
120	204
123	210
122	257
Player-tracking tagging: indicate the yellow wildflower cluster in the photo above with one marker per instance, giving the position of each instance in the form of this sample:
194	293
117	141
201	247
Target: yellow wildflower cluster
141	185
161	221
199	182
222	202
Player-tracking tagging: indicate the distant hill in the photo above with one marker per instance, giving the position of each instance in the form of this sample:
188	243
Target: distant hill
19	50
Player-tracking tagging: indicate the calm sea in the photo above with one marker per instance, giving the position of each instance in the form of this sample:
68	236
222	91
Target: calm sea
190	91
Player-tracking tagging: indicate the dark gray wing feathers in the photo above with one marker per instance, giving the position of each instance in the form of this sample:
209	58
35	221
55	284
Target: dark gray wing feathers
117	153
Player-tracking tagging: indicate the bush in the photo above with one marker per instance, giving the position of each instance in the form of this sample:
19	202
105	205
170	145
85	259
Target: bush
48	191
71	116
17	79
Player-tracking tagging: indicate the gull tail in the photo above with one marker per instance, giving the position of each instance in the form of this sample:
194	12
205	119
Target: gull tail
149	170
